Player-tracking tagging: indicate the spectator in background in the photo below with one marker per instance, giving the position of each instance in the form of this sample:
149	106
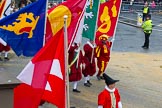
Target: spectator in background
153	5
22	4
90	64
28	2
145	10
131	5
75	61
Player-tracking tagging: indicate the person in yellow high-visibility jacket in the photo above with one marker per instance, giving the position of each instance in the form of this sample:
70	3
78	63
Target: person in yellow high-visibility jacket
146	11
147	29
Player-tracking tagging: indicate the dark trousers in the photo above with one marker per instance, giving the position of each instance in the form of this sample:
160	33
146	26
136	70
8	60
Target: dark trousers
144	17
146	43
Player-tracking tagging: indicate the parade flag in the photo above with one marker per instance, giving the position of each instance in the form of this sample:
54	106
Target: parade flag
73	9
108	17
90	20
78	36
24	29
44	75
5	8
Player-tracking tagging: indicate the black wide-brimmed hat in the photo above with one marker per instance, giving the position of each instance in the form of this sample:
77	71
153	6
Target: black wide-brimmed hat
109	80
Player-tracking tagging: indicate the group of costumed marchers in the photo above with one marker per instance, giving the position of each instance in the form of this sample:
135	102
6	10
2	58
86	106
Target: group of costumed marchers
84	63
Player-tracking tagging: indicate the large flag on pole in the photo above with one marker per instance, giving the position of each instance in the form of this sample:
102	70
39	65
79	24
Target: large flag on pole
24	29
44	75
90	20
108	17
74	10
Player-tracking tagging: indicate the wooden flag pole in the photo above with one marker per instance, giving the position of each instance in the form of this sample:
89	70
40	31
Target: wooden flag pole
66	63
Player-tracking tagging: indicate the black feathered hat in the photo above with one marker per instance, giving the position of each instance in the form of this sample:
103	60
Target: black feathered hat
109	80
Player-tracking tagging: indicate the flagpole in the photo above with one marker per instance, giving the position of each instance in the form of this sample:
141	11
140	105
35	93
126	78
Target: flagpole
67	99
45	23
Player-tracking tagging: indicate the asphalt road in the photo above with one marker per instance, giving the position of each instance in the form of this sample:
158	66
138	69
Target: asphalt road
130	38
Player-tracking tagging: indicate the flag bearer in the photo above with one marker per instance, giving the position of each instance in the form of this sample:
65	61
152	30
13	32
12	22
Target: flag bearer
75	61
145	10
102	54
90	64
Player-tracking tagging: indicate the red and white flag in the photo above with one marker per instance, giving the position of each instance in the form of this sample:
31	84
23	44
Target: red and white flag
74	9
44	75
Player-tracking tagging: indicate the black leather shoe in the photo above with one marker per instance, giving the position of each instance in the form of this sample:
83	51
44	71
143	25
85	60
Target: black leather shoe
86	84
6	59
145	47
89	82
76	90
102	77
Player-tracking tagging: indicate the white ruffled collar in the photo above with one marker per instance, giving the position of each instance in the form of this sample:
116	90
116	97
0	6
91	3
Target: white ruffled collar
90	44
77	50
108	89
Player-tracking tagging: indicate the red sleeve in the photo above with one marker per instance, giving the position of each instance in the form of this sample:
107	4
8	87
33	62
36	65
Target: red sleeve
72	48
101	99
117	95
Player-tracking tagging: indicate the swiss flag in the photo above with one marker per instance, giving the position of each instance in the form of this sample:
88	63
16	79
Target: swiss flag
43	75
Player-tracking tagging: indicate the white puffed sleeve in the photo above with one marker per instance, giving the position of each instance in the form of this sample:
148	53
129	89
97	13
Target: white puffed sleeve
119	104
100	106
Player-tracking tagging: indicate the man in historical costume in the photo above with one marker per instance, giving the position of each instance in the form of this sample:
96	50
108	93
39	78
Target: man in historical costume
75	61
102	54
90	64
109	97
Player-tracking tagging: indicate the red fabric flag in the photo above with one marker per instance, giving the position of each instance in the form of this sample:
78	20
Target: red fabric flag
26	97
73	9
45	72
108	16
